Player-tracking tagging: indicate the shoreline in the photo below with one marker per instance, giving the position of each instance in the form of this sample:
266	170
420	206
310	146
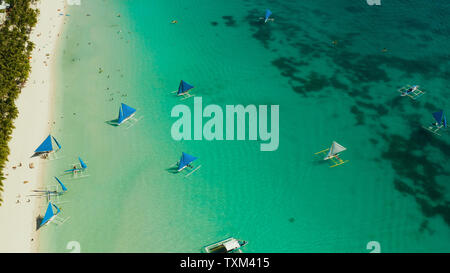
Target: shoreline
19	212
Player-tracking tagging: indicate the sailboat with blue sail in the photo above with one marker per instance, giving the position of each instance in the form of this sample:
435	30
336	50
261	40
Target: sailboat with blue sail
48	147
267	16
127	115
185	162
440	122
52	193
184	90
51	216
63	188
78	170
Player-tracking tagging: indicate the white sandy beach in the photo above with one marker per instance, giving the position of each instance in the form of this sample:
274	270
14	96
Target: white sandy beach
18	212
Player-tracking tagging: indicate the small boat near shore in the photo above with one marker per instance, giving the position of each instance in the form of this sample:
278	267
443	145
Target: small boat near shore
51	193
48	147
229	245
79	170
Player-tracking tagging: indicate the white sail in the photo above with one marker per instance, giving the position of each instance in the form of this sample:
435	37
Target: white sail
335	149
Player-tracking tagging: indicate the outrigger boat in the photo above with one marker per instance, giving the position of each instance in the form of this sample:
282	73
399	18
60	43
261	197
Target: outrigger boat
333	154
267	16
127	115
185	162
52	192
79	170
183	90
52	217
229	245
440	122
48	147
411	91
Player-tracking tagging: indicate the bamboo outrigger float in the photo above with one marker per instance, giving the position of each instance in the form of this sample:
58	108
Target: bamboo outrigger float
333	154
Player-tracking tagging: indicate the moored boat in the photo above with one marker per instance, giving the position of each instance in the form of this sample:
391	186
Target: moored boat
229	245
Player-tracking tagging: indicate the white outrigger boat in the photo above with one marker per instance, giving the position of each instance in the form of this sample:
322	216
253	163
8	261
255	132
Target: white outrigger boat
230	245
333	154
411	91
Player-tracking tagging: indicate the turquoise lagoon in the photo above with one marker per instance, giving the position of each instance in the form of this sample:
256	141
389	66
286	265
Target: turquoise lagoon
394	189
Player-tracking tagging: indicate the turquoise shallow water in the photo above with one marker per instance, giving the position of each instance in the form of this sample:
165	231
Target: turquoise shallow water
393	190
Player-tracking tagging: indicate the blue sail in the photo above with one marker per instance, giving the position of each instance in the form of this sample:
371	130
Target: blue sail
268	13
438	116
60	183
125	112
120	118
184	87
185	160
48	215
57	209
74	169
46	146
83	165
445	122
57	143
